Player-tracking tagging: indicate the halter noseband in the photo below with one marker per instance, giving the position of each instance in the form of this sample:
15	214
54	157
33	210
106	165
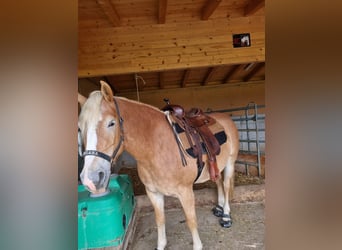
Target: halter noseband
116	150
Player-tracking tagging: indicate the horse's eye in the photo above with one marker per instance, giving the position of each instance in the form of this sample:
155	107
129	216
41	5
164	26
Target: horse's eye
111	123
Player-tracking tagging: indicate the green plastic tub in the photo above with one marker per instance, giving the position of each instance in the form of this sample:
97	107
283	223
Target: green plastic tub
103	221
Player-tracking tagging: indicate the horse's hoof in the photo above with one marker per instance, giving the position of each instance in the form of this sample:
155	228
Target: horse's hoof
218	211
227	223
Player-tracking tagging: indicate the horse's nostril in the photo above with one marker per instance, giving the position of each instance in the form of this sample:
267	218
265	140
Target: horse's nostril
101	176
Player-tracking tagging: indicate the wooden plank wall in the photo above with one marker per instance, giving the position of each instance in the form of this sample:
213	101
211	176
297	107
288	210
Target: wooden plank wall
157	47
217	97
206	98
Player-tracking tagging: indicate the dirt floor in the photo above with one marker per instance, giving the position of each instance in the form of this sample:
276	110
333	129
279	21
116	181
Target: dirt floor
247	231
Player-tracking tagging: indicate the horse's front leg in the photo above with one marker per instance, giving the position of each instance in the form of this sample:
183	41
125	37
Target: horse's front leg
157	200
187	200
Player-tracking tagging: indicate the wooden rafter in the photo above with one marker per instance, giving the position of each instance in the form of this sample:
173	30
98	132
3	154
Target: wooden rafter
254	71
231	73
110	11
161	80
110	81
209	8
185	77
94	80
162	11
253	6
209	75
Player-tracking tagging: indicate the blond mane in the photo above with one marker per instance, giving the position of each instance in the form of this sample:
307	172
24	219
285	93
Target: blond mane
90	110
138	103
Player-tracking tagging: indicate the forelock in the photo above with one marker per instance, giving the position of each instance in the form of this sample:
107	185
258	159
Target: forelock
90	111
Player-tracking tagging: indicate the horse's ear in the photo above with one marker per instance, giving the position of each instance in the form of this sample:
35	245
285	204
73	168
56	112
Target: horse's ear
106	91
81	99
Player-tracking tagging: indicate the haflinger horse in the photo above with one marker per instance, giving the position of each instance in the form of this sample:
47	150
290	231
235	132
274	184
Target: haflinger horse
109	125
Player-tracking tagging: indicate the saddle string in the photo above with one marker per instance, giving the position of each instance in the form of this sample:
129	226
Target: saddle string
196	145
179	142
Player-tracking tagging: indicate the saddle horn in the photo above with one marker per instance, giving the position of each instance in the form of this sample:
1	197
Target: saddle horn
167	101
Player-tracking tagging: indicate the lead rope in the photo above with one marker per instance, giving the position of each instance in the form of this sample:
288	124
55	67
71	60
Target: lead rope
137	85
80	146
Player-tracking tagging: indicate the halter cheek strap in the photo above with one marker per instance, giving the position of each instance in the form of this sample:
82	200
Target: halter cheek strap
116	150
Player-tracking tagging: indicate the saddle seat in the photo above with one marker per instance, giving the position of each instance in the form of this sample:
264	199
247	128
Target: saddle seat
196	126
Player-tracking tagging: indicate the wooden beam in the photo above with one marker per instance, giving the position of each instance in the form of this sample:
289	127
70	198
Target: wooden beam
161	80
185	77
231	73
110	80
110	11
253	6
162	11
95	80
209	75
254	71
209	8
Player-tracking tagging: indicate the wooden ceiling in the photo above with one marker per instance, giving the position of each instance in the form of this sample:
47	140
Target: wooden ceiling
162	44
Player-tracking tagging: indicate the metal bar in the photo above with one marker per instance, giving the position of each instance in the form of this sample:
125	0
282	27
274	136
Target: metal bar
244	130
252	141
251	152
257	139
251	118
247	133
236	109
247	163
255	117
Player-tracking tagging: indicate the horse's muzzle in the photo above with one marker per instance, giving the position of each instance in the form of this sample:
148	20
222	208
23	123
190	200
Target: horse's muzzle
96	182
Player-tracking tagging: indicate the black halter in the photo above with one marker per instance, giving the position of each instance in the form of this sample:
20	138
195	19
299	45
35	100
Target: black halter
103	155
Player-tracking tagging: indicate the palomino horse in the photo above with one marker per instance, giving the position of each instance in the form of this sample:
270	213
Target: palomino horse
111	124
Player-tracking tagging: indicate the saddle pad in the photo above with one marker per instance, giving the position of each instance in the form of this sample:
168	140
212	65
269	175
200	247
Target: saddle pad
216	129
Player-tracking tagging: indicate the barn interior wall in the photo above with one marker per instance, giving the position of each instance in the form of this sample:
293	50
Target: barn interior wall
208	97
144	48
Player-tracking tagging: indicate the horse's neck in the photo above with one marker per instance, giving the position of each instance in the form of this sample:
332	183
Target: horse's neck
139	124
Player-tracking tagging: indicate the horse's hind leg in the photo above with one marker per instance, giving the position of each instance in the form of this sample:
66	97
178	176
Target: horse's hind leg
225	193
187	200
157	200
218	209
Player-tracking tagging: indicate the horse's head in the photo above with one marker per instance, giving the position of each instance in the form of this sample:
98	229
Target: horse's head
101	138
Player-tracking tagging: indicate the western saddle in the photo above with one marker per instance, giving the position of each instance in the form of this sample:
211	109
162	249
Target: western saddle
196	126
